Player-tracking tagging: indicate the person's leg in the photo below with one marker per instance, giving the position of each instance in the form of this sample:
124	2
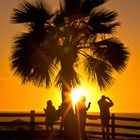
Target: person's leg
107	130
51	127
103	131
47	127
46	124
83	129
83	134
103	127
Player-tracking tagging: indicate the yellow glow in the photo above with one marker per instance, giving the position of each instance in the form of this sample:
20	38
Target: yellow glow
77	93
18	97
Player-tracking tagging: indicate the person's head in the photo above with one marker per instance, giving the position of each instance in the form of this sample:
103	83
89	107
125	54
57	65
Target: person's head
83	98
103	97
49	102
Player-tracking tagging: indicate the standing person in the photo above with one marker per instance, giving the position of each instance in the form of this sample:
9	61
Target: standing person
81	112
104	104
50	113
60	112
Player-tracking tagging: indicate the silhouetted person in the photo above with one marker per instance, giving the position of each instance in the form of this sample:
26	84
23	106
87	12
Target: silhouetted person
50	113
81	112
60	112
104	104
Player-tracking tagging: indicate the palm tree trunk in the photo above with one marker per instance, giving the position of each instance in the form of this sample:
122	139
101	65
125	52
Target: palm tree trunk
68	116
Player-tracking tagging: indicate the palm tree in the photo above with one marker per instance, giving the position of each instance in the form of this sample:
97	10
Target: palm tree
79	34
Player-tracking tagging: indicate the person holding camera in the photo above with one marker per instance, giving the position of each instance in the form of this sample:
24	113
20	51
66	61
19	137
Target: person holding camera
104	104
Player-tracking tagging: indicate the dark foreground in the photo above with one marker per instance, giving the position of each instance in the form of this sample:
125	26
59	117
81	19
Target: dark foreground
121	128
41	135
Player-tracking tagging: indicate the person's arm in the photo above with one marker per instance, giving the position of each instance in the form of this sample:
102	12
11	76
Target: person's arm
44	110
110	101
88	106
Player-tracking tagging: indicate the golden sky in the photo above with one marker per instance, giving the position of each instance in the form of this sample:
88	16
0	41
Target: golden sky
125	93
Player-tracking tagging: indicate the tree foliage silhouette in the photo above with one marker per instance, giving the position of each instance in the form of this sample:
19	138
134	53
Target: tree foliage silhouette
79	34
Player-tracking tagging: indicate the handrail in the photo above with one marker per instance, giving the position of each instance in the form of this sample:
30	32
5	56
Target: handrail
113	126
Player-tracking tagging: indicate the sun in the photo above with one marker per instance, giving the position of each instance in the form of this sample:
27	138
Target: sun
77	93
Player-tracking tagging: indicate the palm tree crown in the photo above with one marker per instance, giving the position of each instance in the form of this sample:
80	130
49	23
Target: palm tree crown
79	33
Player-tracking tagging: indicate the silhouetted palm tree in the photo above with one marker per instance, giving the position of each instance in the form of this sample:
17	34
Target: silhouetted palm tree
79	34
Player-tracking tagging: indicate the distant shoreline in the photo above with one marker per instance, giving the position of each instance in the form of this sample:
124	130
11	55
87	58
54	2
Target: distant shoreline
88	112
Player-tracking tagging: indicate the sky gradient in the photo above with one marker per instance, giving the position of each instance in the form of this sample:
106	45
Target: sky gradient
125	92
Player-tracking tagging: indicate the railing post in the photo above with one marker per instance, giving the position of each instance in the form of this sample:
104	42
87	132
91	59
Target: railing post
113	125
32	119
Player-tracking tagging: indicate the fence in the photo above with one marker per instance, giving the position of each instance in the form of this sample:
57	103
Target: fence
34	129
114	126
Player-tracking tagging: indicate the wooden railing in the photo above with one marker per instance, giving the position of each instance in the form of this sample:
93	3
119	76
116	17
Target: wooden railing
91	127
116	126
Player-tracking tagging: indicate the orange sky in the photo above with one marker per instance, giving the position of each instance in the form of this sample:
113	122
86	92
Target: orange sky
125	93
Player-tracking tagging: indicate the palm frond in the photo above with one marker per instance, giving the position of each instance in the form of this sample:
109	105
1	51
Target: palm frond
77	28
99	71
103	15
29	62
104	28
30	13
113	51
102	21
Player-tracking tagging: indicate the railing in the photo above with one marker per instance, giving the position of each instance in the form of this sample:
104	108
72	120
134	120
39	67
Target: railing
115	127
90	126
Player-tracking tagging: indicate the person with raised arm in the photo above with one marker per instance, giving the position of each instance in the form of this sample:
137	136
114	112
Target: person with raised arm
104	104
